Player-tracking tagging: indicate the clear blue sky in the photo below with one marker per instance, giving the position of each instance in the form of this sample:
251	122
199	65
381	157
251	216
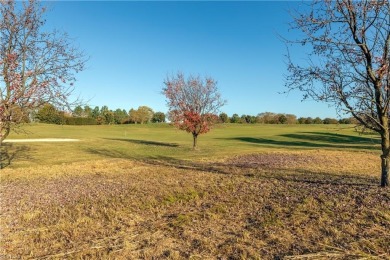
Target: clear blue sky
133	46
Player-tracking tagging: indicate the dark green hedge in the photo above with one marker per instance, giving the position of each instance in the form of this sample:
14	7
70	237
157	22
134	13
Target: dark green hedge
79	121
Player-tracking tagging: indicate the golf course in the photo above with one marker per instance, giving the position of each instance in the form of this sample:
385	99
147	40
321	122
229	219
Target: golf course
140	191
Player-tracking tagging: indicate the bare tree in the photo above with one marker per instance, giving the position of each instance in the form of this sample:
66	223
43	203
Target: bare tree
193	103
348	62
36	66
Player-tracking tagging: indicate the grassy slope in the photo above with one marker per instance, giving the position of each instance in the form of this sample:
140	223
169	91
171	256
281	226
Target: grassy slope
140	191
150	141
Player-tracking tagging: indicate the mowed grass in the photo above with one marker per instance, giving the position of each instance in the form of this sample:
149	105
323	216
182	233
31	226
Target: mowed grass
141	192
159	141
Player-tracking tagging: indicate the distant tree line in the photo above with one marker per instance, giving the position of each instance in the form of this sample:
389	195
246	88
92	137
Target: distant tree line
97	116
278	118
143	115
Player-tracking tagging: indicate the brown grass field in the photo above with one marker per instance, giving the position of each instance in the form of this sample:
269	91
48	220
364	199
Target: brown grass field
264	203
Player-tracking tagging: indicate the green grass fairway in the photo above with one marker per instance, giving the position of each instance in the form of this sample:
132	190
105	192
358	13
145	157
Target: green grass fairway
158	141
141	192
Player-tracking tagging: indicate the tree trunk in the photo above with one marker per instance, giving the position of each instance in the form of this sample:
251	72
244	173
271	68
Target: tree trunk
195	141
385	171
4	132
385	159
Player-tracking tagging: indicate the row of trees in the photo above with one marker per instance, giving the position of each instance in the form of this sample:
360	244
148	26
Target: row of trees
278	118
97	116
144	114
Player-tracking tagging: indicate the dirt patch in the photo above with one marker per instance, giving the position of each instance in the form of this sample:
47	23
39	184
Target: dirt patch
331	162
272	161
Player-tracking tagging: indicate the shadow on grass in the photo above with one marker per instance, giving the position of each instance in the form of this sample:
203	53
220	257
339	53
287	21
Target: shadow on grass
108	153
144	142
316	140
334	138
249	171
9	153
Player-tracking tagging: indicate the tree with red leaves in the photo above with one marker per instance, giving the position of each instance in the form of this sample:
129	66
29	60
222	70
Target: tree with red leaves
193	103
36	67
348	45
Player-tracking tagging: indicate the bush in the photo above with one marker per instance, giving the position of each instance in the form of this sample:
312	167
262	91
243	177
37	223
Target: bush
79	121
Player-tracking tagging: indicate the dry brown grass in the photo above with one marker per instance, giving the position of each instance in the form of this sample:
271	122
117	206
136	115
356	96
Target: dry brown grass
292	205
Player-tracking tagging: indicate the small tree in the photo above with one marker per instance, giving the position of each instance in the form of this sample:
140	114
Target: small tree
36	67
224	118
49	114
267	118
78	111
328	121
309	121
133	116
158	117
120	116
282	119
235	118
349	62
301	120
291	119
193	103
317	120
87	112
95	112
145	114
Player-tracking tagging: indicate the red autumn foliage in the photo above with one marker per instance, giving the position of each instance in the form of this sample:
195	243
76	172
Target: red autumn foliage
193	103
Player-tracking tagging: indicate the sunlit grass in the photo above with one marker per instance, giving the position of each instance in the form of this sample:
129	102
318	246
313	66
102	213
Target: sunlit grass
141	192
149	141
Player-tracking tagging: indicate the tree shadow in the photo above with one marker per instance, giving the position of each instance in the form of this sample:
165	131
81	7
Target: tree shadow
333	138
316	178
9	153
159	160
316	140
248	171
167	161
108	153
144	142
254	171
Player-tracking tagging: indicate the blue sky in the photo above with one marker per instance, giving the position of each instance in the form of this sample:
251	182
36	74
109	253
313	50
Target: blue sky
133	46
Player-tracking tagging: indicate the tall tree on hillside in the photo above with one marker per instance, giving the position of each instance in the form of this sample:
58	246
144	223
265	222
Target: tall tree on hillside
349	62
133	116
120	116
36	66
95	112
145	114
193	103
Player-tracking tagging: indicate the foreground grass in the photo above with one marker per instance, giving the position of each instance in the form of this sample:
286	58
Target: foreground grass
119	208
143	195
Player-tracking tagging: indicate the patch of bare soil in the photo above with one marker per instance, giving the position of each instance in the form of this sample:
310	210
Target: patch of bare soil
329	162
274	160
